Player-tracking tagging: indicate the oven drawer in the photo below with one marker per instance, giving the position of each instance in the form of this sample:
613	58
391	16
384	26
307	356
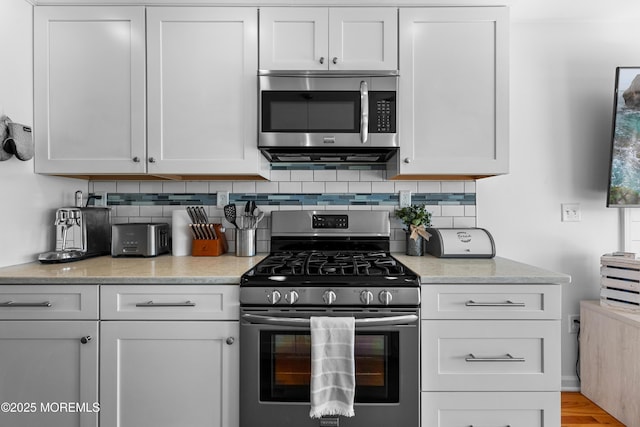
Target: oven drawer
169	302
490	355
35	302
491	301
454	409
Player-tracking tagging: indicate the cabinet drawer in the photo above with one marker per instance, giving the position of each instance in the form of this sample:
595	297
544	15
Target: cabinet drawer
169	302
464	355
491	302
60	302
453	409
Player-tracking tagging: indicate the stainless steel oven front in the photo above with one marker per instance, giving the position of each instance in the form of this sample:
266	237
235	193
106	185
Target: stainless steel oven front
275	367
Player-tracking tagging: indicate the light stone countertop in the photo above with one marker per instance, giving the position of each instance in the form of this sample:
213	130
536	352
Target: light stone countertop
227	269
499	270
162	270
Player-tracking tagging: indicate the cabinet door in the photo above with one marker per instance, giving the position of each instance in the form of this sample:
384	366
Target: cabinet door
522	409
167	374
89	89
363	38
294	38
453	91
44	364
202	65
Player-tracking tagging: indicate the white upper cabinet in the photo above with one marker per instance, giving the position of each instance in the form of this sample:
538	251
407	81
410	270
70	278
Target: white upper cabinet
97	69
320	39
453	94
89	89
202	65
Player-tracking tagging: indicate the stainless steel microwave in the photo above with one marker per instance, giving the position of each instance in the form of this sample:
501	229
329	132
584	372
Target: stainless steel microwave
309	117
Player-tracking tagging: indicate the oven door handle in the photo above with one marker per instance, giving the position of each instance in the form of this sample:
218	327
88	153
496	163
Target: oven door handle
301	322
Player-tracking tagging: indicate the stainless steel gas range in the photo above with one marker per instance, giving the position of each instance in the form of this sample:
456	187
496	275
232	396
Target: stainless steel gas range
329	263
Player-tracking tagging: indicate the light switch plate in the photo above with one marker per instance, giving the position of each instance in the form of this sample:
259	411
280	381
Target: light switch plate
571	212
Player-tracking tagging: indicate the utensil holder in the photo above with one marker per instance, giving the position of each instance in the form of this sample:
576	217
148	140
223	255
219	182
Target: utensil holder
245	241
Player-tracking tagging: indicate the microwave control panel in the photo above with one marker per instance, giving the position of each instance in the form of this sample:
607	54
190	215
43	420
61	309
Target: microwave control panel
383	116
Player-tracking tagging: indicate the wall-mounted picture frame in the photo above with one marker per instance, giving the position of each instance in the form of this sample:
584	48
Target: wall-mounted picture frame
624	164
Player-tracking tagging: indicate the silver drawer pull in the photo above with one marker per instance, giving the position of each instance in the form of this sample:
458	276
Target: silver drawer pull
166	304
507	358
472	303
25	304
508	425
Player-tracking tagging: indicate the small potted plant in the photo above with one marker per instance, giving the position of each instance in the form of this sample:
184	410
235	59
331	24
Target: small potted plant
416	219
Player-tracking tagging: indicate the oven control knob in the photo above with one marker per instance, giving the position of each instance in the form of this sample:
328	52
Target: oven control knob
274	296
385	297
291	297
329	297
366	297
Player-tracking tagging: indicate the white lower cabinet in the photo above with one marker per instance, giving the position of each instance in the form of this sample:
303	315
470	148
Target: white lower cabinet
499	409
49	356
159	374
490	355
160	368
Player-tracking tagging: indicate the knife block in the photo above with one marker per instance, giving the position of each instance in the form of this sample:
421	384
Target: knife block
209	247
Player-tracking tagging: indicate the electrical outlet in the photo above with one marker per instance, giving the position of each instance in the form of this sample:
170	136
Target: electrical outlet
404	198
222	199
574	323
571	212
100	198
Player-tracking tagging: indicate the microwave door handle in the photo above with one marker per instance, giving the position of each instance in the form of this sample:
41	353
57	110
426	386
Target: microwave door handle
364	112
306	323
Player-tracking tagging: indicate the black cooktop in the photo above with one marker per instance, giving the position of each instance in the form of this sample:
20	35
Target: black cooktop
348	268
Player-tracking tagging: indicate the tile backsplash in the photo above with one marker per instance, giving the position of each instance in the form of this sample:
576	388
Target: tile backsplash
451	203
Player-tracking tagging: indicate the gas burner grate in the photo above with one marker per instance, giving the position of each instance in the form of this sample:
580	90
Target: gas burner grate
315	263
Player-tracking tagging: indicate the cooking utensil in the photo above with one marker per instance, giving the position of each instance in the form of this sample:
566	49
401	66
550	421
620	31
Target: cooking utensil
230	214
192	215
258	214
204	219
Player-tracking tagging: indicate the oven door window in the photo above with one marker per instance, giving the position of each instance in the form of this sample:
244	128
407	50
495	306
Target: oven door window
285	366
311	111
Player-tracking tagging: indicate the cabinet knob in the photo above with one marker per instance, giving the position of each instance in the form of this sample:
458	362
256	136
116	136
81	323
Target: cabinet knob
136	159
152	159
407	160
231	340
335	60
86	339
322	59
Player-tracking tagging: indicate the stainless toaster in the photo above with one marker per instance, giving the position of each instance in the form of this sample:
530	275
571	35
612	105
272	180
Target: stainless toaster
145	239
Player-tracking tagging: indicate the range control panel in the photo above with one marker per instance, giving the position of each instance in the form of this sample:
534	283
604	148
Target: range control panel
330	221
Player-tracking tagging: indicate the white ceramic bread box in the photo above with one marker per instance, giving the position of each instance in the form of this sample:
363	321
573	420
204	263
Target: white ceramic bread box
460	243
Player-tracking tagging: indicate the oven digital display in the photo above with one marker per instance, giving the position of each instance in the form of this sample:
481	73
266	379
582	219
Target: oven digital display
330	221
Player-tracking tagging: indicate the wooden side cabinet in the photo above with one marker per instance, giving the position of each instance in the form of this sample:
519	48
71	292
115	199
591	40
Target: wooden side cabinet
609	355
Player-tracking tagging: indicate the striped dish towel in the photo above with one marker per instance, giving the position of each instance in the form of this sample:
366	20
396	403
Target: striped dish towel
333	380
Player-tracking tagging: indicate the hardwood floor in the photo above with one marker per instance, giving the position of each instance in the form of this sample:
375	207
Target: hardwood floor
578	411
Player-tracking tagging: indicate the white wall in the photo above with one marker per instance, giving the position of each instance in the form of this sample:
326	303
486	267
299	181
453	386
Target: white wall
563	59
27	201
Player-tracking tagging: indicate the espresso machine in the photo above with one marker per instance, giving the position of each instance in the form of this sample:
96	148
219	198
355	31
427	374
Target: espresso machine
81	232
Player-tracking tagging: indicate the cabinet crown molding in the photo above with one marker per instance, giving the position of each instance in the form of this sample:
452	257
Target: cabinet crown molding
266	3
